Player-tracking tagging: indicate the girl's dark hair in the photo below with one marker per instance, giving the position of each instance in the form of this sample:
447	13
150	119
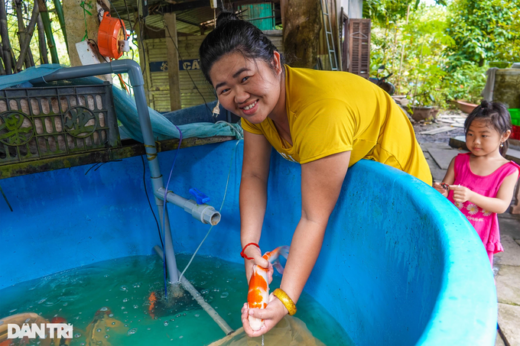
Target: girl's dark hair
497	115
234	35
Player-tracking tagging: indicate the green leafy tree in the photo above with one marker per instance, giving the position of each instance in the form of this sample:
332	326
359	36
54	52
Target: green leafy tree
385	13
439	53
483	30
415	54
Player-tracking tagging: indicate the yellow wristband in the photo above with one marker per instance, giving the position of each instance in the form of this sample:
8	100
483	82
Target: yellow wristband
286	300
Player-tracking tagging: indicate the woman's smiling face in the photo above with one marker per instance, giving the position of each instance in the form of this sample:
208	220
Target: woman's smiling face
249	88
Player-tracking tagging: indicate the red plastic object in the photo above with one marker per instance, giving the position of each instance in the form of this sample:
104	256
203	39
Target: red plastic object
515	132
111	33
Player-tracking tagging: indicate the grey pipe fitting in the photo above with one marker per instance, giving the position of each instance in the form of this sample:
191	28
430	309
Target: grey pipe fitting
202	212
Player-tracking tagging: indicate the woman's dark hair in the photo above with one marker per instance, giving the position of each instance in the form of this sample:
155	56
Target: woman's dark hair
496	114
234	35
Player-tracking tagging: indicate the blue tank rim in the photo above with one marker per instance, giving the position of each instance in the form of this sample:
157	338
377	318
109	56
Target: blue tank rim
447	324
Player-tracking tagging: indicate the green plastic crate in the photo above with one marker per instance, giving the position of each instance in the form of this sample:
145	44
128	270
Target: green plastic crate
515	116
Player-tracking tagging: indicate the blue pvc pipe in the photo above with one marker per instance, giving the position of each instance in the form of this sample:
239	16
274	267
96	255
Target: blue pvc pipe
399	264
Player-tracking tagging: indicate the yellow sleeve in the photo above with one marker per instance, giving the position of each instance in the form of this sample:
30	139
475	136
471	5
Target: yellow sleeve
325	128
252	128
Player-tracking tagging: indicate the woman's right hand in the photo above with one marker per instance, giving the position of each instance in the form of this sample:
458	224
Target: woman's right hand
442	190
256	254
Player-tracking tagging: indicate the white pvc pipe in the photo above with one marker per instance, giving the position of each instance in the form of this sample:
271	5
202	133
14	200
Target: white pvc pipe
202	212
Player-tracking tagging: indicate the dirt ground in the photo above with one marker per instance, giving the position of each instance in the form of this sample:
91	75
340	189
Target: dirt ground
440	121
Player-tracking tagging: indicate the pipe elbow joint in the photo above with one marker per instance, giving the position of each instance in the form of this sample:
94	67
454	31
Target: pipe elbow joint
132	68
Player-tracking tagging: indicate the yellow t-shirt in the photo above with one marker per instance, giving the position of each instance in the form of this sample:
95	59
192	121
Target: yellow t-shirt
332	112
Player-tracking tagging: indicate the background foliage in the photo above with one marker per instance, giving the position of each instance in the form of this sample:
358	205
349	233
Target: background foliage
440	52
12	28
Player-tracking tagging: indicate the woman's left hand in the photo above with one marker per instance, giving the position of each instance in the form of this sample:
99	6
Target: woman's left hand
461	194
271	315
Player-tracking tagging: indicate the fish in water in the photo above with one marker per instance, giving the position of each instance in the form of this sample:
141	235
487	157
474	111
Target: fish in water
258	295
96	330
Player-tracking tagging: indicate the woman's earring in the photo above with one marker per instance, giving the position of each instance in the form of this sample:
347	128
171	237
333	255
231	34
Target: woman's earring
501	145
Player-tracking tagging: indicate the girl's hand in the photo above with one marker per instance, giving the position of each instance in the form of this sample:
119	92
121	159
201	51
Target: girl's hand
254	252
461	193
271	315
442	190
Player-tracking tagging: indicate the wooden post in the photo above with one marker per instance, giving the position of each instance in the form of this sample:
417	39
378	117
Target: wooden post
6	44
44	58
301	32
283	6
170	25
48	31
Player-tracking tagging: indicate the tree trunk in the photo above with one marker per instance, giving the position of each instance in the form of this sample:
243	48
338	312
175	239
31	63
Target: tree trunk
6	45
2	69
22	33
26	44
75	23
301	29
48	31
44	58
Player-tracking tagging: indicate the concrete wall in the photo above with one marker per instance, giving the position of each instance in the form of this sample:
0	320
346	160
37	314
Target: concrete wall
507	87
353	8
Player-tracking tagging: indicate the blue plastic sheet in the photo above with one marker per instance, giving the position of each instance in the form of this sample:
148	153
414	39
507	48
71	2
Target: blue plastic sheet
126	110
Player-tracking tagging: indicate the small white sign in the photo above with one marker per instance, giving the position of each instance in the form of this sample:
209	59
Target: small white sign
86	54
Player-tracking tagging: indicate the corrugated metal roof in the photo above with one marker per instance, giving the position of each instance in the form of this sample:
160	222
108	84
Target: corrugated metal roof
188	21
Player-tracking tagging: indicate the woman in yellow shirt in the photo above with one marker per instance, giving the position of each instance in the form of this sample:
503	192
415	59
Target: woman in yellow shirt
326	121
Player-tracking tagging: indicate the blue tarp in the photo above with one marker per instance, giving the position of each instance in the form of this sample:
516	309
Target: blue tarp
126	110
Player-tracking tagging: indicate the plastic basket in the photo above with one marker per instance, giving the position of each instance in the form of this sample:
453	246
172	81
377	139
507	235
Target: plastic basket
515	116
38	123
515	132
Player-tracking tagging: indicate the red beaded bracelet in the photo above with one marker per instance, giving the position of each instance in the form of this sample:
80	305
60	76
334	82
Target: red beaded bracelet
244	255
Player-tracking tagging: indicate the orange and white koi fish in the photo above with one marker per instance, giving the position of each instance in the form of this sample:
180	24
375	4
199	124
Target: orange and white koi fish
258	295
96	330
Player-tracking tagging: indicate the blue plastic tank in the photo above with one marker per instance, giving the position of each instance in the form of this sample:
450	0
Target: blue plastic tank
399	264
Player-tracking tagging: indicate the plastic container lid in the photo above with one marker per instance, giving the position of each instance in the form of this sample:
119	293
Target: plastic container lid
515	132
515	116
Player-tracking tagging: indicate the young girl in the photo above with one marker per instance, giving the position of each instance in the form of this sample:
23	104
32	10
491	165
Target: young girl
481	183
